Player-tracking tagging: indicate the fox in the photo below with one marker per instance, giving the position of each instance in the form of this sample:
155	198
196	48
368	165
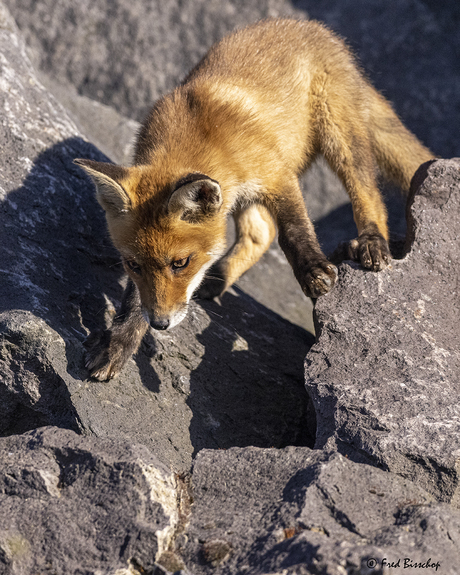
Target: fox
233	139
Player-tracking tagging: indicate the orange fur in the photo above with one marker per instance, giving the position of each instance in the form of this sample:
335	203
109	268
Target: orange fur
251	117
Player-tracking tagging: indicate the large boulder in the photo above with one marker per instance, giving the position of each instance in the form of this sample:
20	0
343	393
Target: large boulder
384	373
79	505
104	127
73	505
127	54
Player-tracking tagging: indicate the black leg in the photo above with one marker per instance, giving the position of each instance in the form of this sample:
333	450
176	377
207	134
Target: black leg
108	350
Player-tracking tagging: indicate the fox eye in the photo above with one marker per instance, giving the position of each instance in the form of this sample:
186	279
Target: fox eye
133	266
180	264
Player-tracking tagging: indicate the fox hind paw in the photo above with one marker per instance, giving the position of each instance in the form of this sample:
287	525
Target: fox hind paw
373	251
369	250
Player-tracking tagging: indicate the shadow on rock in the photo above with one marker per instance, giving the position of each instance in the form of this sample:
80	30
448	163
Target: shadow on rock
249	387
241	363
54	242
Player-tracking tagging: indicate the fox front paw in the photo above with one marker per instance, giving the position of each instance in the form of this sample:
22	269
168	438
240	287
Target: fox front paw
318	278
106	355
372	251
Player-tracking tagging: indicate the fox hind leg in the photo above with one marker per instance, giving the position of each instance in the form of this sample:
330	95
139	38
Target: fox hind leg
347	146
255	231
370	248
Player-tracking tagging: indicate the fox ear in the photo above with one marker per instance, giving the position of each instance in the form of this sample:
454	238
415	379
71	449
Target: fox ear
194	197
109	192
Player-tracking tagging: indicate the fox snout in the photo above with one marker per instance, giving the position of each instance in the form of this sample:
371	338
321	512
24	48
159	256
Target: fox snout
163	321
160	322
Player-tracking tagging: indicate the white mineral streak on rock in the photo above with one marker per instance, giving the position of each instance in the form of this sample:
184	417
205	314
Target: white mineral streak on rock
163	490
51	481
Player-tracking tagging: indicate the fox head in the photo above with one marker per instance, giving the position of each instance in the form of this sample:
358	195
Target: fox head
169	231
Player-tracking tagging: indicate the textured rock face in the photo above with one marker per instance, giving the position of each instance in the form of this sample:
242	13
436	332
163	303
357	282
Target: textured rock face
129	54
111	133
311	512
384	374
77	505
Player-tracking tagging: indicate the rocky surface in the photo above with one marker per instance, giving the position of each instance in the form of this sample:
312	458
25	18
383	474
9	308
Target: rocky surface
78	505
86	505
129	54
198	457
384	373
311	512
113	134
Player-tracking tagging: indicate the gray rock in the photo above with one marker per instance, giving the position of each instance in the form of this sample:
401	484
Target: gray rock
108	130
231	374
128	54
384	373
301	511
74	505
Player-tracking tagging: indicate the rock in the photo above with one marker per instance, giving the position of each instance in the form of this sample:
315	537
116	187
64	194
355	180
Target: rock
231	374
302	511
126	55
108	130
384	373
75	504
105	506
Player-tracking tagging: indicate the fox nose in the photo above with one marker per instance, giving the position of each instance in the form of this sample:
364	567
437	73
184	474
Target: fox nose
159	323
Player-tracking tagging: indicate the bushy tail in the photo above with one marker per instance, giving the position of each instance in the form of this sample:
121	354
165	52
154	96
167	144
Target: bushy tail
398	152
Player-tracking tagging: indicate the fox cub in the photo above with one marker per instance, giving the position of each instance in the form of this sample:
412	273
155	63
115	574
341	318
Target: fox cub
233	138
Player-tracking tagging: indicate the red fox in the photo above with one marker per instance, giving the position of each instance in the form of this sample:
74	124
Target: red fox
234	138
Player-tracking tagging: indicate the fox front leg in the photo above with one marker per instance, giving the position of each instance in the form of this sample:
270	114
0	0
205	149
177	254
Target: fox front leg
109	350
297	238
